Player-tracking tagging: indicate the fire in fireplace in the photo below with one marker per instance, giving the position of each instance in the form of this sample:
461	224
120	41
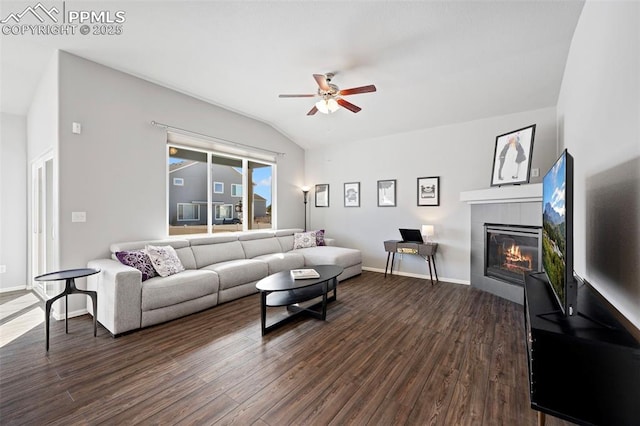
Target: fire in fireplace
511	251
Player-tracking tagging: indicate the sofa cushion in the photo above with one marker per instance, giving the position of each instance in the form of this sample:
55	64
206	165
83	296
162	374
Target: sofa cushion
304	240
282	261
259	247
286	242
320	237
186	257
237	272
138	259
329	255
164	259
210	254
160	292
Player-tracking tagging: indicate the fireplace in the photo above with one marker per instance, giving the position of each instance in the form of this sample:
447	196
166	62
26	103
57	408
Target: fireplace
511	251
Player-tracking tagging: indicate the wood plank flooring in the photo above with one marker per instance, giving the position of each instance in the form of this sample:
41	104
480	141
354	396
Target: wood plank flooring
393	351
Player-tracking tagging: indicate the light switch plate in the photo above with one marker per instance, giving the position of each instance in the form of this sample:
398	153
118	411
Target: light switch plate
78	216
76	128
535	172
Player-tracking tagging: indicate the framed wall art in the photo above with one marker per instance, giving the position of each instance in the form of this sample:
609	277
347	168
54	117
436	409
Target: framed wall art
322	195
387	193
512	157
429	191
352	194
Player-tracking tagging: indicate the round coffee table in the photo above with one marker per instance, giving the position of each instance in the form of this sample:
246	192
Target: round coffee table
281	289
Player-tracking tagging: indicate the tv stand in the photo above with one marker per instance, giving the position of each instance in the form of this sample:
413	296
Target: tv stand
583	368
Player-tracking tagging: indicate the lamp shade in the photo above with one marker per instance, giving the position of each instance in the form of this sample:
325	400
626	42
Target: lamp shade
428	230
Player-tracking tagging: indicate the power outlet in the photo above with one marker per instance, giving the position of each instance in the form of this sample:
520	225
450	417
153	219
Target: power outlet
3	269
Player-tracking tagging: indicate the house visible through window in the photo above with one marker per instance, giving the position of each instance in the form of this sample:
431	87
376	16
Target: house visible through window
196	184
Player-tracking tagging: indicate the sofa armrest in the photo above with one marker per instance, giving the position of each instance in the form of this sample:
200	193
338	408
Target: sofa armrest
330	241
119	290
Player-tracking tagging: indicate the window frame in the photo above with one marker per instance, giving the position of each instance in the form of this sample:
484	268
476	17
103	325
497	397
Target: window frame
245	157
233	194
193	205
216	209
216	183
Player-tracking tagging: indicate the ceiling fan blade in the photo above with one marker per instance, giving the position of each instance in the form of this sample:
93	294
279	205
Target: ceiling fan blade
296	96
356	90
322	82
348	105
313	110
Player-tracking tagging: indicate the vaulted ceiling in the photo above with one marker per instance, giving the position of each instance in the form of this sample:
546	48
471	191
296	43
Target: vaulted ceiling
434	63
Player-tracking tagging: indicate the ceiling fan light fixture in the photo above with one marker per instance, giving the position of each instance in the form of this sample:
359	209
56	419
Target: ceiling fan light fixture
327	106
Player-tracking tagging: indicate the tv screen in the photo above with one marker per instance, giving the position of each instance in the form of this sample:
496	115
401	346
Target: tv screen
557	232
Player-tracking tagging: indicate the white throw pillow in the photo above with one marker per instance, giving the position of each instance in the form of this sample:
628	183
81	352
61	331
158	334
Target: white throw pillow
304	240
165	260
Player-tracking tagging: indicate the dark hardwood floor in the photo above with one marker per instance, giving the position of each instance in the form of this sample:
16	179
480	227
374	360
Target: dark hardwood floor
392	351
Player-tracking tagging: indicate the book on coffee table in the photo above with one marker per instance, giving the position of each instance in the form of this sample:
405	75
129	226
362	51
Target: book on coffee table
301	274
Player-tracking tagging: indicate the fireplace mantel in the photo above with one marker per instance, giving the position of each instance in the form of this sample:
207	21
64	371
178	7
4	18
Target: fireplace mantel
505	194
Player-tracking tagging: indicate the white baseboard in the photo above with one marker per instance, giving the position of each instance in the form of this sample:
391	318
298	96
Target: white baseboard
10	289
421	276
59	316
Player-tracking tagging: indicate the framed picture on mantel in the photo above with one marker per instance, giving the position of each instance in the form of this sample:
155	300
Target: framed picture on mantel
512	157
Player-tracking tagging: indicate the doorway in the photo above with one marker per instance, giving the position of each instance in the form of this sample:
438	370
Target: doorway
42	222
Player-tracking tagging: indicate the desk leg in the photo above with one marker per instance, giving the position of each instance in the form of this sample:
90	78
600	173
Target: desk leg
393	259
433	258
386	265
428	259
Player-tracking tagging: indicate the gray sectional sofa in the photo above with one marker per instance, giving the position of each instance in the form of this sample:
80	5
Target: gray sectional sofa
218	268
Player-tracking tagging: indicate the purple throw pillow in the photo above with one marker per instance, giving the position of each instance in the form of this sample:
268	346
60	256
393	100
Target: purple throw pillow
137	259
320	238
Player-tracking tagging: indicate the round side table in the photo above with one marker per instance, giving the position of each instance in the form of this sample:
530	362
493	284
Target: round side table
69	276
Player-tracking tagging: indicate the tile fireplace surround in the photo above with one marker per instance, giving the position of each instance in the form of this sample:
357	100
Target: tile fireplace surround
510	205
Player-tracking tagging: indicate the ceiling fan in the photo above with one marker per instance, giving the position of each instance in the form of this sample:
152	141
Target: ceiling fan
331	95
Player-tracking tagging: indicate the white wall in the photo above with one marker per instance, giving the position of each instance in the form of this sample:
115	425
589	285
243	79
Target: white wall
599	118
13	201
460	154
115	171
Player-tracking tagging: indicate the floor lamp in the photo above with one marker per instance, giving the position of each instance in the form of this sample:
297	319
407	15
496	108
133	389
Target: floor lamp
305	191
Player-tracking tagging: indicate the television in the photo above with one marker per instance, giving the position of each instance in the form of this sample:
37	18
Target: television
557	233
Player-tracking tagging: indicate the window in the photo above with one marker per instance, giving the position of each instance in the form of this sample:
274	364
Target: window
224	211
196	182
236	190
187	212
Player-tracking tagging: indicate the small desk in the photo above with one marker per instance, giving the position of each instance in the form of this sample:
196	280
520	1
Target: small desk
425	250
70	288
